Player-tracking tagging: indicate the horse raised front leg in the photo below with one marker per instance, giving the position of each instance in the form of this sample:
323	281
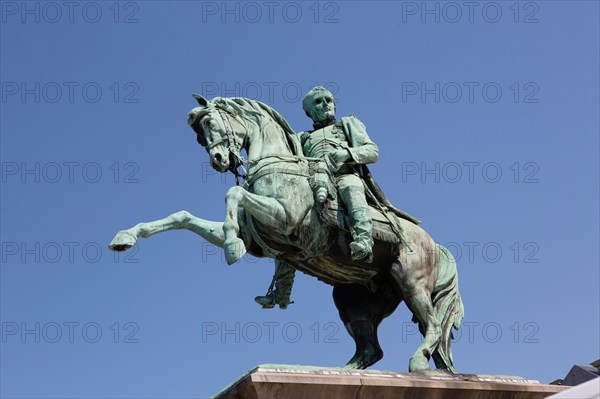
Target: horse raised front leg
269	211
210	231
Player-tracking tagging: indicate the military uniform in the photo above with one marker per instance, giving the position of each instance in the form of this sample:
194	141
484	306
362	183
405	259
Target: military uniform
354	182
351	135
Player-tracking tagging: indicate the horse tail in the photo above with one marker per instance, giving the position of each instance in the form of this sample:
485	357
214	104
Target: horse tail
448	307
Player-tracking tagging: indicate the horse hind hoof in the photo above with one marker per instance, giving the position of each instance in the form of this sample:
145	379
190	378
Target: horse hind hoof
418	363
234	250
365	359
122	242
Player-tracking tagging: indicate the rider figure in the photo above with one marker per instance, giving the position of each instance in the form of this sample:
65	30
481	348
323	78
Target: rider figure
344	145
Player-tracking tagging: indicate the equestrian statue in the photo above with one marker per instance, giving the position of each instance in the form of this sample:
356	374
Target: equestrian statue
309	202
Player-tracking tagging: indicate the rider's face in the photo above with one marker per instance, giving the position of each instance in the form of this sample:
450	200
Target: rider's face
321	107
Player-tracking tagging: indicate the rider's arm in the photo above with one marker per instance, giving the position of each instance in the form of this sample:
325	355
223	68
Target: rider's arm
362	150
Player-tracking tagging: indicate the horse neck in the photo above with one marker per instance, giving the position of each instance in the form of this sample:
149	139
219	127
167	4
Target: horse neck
267	138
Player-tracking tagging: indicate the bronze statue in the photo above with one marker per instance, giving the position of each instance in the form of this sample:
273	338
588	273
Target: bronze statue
274	214
346	149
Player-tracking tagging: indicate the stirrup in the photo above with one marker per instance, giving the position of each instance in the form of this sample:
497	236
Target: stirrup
359	251
268	302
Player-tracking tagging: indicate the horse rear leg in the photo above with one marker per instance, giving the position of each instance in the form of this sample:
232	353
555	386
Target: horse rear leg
361	312
418	300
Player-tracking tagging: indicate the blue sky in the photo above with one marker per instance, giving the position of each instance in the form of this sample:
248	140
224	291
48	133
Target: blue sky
486	117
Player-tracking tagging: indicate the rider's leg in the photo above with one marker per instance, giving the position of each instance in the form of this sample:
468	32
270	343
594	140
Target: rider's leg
352	194
281	287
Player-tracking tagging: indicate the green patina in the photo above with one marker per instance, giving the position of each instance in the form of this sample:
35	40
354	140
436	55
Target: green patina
309	201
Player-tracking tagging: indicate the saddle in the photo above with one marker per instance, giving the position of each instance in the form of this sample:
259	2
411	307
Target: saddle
333	213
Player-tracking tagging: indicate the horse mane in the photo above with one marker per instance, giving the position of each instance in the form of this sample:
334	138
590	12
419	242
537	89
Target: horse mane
248	107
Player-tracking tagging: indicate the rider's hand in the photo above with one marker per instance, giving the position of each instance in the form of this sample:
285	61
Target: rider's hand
340	156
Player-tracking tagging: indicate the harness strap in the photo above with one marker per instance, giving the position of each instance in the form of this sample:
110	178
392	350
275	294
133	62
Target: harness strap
288	158
267	171
215	143
234	148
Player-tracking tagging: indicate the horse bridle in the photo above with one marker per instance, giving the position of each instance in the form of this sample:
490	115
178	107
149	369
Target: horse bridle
232	145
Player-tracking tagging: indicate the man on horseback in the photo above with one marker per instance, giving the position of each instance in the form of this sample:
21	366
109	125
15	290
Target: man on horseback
344	146
346	149
281	199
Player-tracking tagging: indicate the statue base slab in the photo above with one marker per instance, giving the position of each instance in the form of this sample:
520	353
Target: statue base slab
272	381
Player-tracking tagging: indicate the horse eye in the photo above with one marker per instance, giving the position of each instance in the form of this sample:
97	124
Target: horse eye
197	127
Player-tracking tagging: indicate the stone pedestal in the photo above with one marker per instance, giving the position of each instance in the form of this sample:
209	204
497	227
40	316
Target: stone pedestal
293	382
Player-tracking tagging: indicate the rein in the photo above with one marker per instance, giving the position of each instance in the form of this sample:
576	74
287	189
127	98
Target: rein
250	176
234	149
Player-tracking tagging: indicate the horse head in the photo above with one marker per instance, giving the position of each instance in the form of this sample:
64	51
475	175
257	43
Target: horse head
214	121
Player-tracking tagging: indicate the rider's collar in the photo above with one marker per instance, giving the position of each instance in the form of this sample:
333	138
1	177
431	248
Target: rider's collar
322	124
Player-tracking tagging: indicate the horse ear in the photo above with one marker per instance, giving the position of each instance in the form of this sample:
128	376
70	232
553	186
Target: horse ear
201	100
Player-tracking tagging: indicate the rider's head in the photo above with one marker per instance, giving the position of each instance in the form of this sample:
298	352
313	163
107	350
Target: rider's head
319	104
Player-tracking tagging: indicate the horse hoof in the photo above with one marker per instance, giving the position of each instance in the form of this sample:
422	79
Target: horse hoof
353	366
356	364
234	250
418	363
122	241
366	359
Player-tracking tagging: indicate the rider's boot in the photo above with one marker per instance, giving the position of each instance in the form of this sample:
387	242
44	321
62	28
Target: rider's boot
352	194
362	233
359	250
281	288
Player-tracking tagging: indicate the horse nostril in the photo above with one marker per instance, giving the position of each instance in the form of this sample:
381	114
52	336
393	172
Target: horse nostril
218	157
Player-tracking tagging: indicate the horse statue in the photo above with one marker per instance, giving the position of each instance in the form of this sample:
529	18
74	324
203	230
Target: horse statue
274	214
